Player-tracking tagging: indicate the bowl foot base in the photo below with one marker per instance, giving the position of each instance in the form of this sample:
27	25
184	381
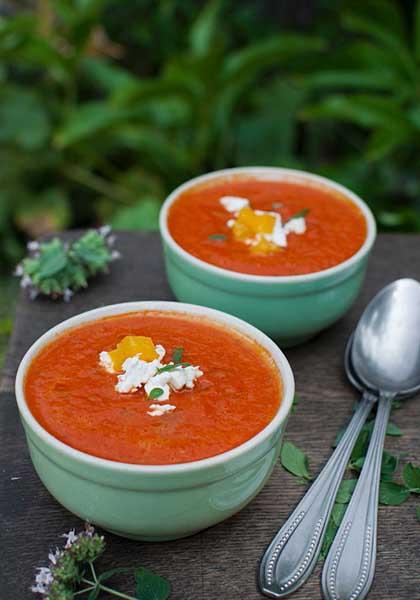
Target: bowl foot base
147	538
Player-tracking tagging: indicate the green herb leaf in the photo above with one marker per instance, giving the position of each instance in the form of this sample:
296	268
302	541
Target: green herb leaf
392	494
389	466
337	513
155	393
298	215
150	586
294	460
411	476
295	402
360	448
177	354
173	366
393	429
345	491
328	538
221	237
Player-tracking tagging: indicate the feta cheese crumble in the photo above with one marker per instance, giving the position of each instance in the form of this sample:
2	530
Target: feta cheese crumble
157	410
263	230
233	204
152	374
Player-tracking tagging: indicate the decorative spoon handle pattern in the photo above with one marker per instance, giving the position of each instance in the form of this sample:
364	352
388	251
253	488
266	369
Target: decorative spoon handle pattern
292	555
350	565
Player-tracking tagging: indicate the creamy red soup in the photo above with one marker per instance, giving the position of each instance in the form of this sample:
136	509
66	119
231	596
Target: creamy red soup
331	227
74	397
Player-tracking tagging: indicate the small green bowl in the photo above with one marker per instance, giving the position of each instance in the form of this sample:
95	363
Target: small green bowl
161	502
290	309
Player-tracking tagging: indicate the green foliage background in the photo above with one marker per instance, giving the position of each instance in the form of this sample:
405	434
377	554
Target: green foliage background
107	105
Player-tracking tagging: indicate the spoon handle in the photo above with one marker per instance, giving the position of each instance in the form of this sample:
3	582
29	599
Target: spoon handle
290	558
350	565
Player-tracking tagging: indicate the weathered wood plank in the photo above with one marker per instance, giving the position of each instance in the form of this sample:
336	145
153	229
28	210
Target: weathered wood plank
220	562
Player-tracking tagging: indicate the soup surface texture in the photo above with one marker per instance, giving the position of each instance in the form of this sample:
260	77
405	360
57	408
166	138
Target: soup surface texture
335	227
75	400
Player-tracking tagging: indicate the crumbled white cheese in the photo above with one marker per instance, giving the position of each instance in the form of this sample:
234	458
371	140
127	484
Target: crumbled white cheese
136	372
175	379
106	362
160	409
297	225
233	204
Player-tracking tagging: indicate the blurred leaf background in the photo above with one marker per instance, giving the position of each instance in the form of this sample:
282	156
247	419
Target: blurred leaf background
107	105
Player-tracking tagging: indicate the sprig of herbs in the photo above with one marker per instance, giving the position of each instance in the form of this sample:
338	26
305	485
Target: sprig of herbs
177	355
58	269
71	572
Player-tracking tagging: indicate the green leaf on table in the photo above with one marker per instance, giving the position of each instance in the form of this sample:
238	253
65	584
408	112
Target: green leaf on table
294	460
337	513
150	586
392	494
345	491
389	466
360	446
295	402
411	476
393	429
328	538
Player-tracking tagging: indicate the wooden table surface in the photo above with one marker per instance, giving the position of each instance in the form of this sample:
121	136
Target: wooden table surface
219	563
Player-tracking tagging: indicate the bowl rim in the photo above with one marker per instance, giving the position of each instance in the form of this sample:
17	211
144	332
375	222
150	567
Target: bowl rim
279	173
279	358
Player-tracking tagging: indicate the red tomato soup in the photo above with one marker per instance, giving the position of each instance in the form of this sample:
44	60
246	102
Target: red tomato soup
335	226
74	398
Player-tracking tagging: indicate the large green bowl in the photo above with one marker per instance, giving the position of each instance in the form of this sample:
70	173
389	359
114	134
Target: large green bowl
290	309
159	502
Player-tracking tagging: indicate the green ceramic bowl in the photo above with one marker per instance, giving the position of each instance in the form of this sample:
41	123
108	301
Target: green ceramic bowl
155	502
290	309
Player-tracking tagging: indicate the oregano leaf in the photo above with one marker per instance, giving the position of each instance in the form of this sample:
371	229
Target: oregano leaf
294	460
411	477
392	494
155	393
150	586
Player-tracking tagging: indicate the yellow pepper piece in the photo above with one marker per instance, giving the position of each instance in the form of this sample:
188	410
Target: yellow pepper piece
133	345
264	247
256	223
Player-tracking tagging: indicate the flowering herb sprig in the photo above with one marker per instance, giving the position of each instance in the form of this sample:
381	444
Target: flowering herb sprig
58	269
71	572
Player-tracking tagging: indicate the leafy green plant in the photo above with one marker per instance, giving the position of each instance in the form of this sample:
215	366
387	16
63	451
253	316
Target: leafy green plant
85	139
369	93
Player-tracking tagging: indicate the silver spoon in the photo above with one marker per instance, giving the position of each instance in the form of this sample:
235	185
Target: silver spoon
383	357
291	557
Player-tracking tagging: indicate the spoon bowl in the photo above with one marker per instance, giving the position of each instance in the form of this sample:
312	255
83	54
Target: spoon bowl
385	352
358	384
